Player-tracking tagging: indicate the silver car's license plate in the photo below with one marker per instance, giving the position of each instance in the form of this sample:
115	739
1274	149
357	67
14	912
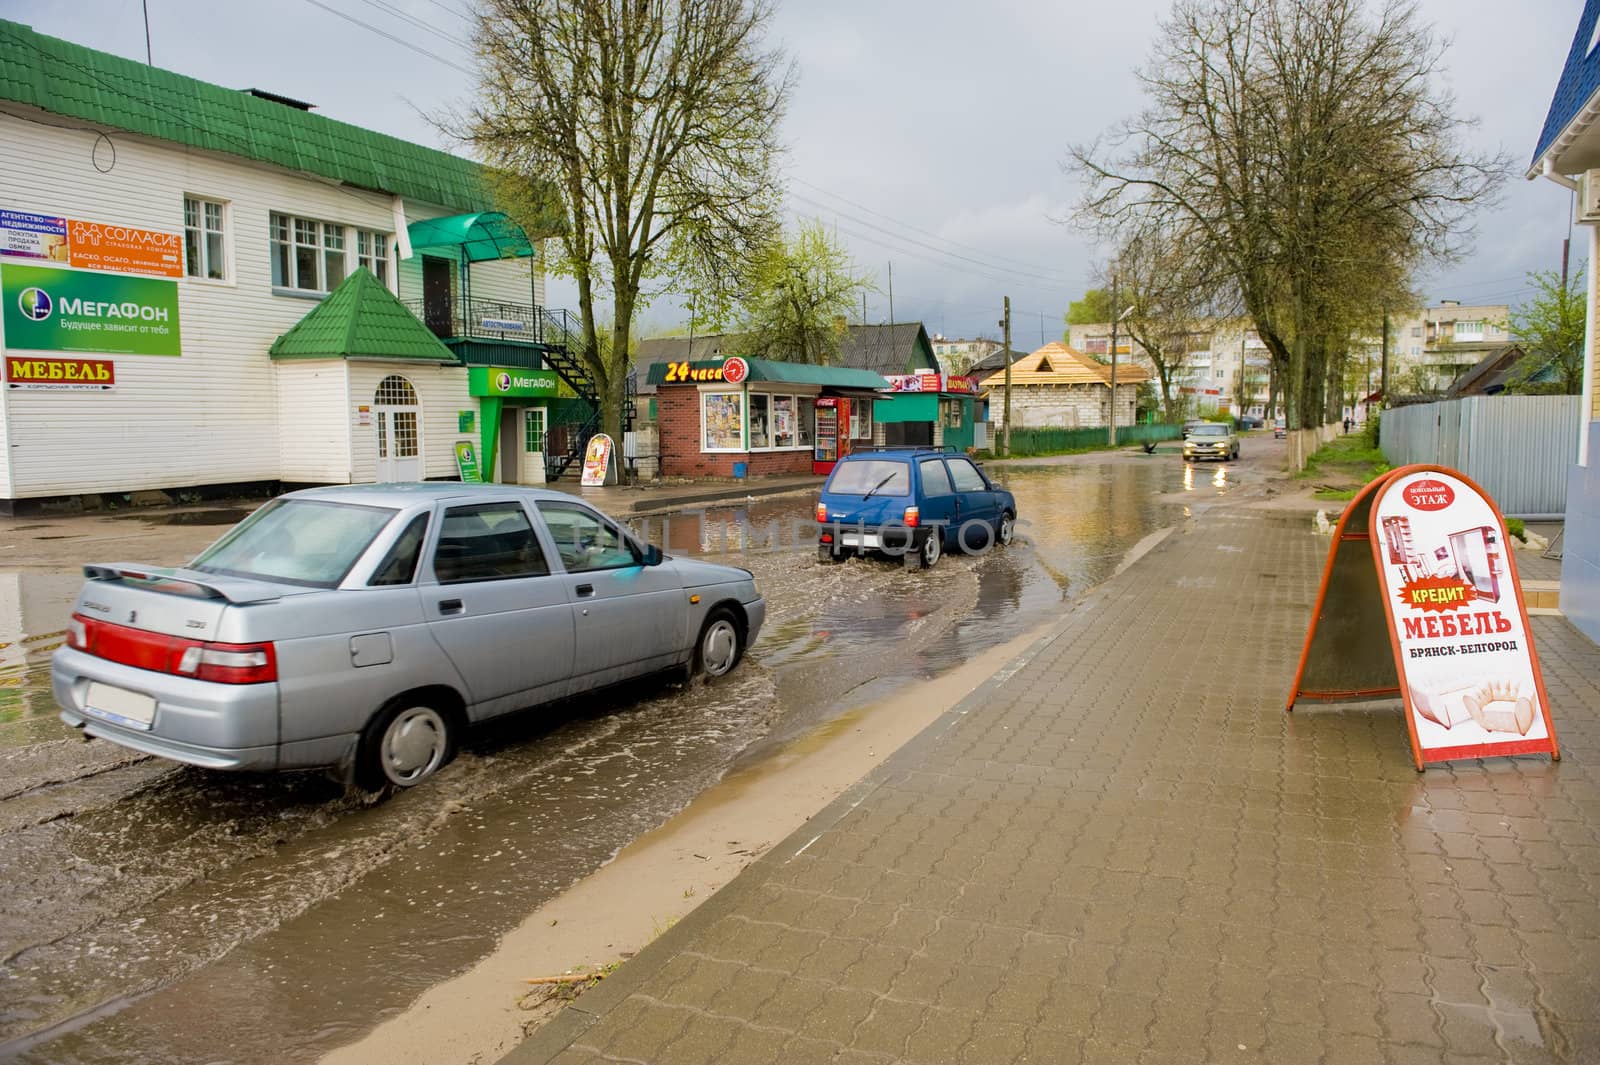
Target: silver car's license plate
119	705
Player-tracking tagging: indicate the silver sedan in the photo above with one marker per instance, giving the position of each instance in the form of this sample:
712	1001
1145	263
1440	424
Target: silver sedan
365	627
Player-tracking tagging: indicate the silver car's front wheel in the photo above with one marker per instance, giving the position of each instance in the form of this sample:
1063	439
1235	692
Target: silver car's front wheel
720	645
407	744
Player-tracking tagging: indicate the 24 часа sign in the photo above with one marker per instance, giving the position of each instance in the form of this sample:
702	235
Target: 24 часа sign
47	309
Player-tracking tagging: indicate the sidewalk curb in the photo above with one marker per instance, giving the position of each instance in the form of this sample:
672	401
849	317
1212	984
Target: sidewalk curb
566	1027
645	504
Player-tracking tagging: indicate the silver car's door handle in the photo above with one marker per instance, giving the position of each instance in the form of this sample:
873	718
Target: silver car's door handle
585	589
451	606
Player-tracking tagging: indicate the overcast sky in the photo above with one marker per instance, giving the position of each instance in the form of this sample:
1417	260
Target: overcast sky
928	133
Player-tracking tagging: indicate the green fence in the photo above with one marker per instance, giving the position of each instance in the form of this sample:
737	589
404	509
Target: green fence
1043	441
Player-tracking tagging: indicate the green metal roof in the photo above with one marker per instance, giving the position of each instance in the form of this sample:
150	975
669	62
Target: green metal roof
480	236
361	319
107	90
793	373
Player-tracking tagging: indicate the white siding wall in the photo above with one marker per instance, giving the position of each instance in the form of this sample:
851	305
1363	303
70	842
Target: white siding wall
441	393
314	444
214	414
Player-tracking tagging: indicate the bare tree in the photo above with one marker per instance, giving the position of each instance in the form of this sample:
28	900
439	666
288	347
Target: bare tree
1307	145
1169	293
649	126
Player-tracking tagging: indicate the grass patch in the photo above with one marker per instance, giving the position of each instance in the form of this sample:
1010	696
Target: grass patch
1349	459
1336	495
1516	527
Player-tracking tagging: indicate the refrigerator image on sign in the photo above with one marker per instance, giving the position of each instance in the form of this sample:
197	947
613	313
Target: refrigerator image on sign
1477	555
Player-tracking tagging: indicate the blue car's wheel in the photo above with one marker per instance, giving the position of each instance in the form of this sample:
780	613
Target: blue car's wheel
1007	530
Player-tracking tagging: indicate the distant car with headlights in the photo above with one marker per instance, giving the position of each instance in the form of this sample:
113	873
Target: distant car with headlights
1280	429
1211	440
913	503
367	626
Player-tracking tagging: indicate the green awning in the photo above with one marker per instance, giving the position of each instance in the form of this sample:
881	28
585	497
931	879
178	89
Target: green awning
361	319
480	236
793	373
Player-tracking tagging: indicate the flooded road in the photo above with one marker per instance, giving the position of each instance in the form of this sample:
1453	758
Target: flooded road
154	912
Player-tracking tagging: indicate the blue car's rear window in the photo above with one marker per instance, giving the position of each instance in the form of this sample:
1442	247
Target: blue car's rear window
879	477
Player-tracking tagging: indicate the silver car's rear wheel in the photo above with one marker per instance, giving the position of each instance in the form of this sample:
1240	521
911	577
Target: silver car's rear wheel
721	644
406	744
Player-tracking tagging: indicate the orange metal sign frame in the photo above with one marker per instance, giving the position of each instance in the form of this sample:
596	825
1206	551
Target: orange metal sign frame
1370	495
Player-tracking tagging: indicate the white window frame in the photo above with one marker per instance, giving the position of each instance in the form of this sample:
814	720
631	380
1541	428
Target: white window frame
366	256
797	400
744	422
319	235
858	406
224	223
1469	329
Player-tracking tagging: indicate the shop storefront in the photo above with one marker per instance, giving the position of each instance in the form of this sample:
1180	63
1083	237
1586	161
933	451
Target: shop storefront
929	409
738	417
513	414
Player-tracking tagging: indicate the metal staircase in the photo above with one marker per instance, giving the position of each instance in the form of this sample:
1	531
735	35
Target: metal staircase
565	443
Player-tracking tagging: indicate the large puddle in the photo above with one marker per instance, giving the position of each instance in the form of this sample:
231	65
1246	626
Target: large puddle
153	912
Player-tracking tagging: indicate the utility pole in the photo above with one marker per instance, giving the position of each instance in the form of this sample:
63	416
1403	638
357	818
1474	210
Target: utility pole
1005	353
891	293
1115	316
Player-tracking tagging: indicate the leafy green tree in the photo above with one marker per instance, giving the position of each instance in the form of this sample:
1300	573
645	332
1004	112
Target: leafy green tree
1550	325
800	290
1093	308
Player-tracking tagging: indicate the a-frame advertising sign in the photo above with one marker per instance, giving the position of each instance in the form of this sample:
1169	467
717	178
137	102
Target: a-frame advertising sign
1420	598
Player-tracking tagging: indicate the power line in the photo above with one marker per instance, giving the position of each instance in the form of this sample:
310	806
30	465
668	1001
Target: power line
426	27
1030	266
901	250
401	41
1058	281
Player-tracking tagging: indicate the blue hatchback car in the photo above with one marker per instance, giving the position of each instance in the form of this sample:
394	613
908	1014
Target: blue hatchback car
913	503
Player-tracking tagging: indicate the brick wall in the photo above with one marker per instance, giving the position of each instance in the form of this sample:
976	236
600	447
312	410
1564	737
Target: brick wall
678	421
1063	406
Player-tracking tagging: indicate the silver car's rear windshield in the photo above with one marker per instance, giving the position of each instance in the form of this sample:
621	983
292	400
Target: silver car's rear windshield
1214	429
880	477
296	541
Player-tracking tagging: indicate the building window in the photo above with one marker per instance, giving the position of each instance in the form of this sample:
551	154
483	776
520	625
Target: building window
861	419
1469	330
950	413
760	420
203	251
372	251
306	255
1416	349
1416	330
721	421
808	420
783	421
1096	345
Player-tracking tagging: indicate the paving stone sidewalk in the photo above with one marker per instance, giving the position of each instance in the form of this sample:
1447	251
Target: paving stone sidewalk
1125	851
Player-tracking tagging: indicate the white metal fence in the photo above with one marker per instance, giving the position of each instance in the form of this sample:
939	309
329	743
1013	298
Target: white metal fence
1518	448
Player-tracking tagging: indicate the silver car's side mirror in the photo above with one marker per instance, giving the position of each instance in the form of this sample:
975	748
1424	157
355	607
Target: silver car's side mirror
652	555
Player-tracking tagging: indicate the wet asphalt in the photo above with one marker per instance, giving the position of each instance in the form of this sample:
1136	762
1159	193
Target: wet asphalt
155	912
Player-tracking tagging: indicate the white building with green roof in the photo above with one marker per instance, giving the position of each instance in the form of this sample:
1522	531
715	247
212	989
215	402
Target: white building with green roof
209	286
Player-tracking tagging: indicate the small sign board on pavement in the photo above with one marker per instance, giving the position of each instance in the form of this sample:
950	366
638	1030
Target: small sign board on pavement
1421	555
467	462
598	465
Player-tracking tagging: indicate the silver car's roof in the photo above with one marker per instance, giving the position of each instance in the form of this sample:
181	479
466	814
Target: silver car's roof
410	494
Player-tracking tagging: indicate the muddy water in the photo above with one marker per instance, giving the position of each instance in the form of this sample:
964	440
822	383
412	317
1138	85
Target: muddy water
158	913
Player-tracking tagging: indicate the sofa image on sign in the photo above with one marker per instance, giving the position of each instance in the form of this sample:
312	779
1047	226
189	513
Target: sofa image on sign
1494	704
